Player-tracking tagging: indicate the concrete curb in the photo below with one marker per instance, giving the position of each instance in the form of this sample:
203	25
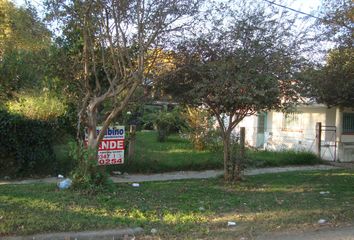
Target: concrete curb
342	233
113	234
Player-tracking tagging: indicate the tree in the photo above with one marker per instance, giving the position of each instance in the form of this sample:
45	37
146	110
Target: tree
21	29
237	70
24	44
333	82
336	21
114	39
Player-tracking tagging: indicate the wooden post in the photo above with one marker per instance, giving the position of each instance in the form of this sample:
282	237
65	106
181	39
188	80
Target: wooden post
318	138
131	149
242	142
241	158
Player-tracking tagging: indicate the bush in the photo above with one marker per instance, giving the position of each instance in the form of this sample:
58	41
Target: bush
281	158
167	122
147	116
164	122
87	177
26	145
201	130
34	106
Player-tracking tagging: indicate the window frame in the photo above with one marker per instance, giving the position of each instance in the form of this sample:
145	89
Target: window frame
348	130
295	124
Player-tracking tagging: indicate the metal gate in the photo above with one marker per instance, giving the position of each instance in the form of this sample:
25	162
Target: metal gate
327	147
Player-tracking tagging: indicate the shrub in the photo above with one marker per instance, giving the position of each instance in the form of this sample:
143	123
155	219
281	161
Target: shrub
26	145
281	158
34	106
148	115
201	130
163	121
87	177
167	122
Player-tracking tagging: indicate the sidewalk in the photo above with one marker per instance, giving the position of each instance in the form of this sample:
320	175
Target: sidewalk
210	174
182	175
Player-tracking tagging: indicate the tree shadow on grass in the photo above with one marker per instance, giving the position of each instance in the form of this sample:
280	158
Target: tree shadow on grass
182	208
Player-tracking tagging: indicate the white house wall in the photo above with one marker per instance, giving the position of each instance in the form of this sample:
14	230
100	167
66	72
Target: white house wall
276	137
302	139
250	124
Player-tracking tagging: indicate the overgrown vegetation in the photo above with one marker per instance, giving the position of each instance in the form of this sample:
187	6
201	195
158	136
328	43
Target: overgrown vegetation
175	154
200	129
239	67
35	111
41	106
32	132
178	154
166	122
191	209
87	177
26	146
93	74
281	158
34	149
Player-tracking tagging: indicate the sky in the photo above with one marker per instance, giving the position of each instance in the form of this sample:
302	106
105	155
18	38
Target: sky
306	6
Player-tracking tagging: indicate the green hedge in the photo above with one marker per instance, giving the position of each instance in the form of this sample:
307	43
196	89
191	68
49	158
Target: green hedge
26	146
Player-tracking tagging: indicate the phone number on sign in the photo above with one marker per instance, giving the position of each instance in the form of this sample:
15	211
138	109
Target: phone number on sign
110	161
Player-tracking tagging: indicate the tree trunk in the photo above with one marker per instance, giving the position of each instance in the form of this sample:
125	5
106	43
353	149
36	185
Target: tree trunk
239	159
92	143
233	157
90	164
91	128
227	156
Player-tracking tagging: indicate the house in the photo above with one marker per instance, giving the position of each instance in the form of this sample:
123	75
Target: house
297	131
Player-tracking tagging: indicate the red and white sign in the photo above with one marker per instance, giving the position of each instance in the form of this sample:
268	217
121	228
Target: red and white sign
111	148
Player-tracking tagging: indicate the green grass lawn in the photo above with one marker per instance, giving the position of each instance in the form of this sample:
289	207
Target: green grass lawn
176	154
188	209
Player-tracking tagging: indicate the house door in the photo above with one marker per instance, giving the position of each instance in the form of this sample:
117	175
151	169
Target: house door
261	128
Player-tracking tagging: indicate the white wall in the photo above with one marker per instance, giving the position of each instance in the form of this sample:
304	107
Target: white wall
303	138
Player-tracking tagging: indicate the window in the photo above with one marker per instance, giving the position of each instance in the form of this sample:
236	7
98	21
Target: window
292	122
261	123
348	123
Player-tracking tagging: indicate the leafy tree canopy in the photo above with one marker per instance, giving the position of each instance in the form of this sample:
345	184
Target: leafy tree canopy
21	29
24	44
336	22
333	82
239	68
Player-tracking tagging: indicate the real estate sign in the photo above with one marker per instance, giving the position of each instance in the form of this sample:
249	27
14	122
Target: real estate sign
111	148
